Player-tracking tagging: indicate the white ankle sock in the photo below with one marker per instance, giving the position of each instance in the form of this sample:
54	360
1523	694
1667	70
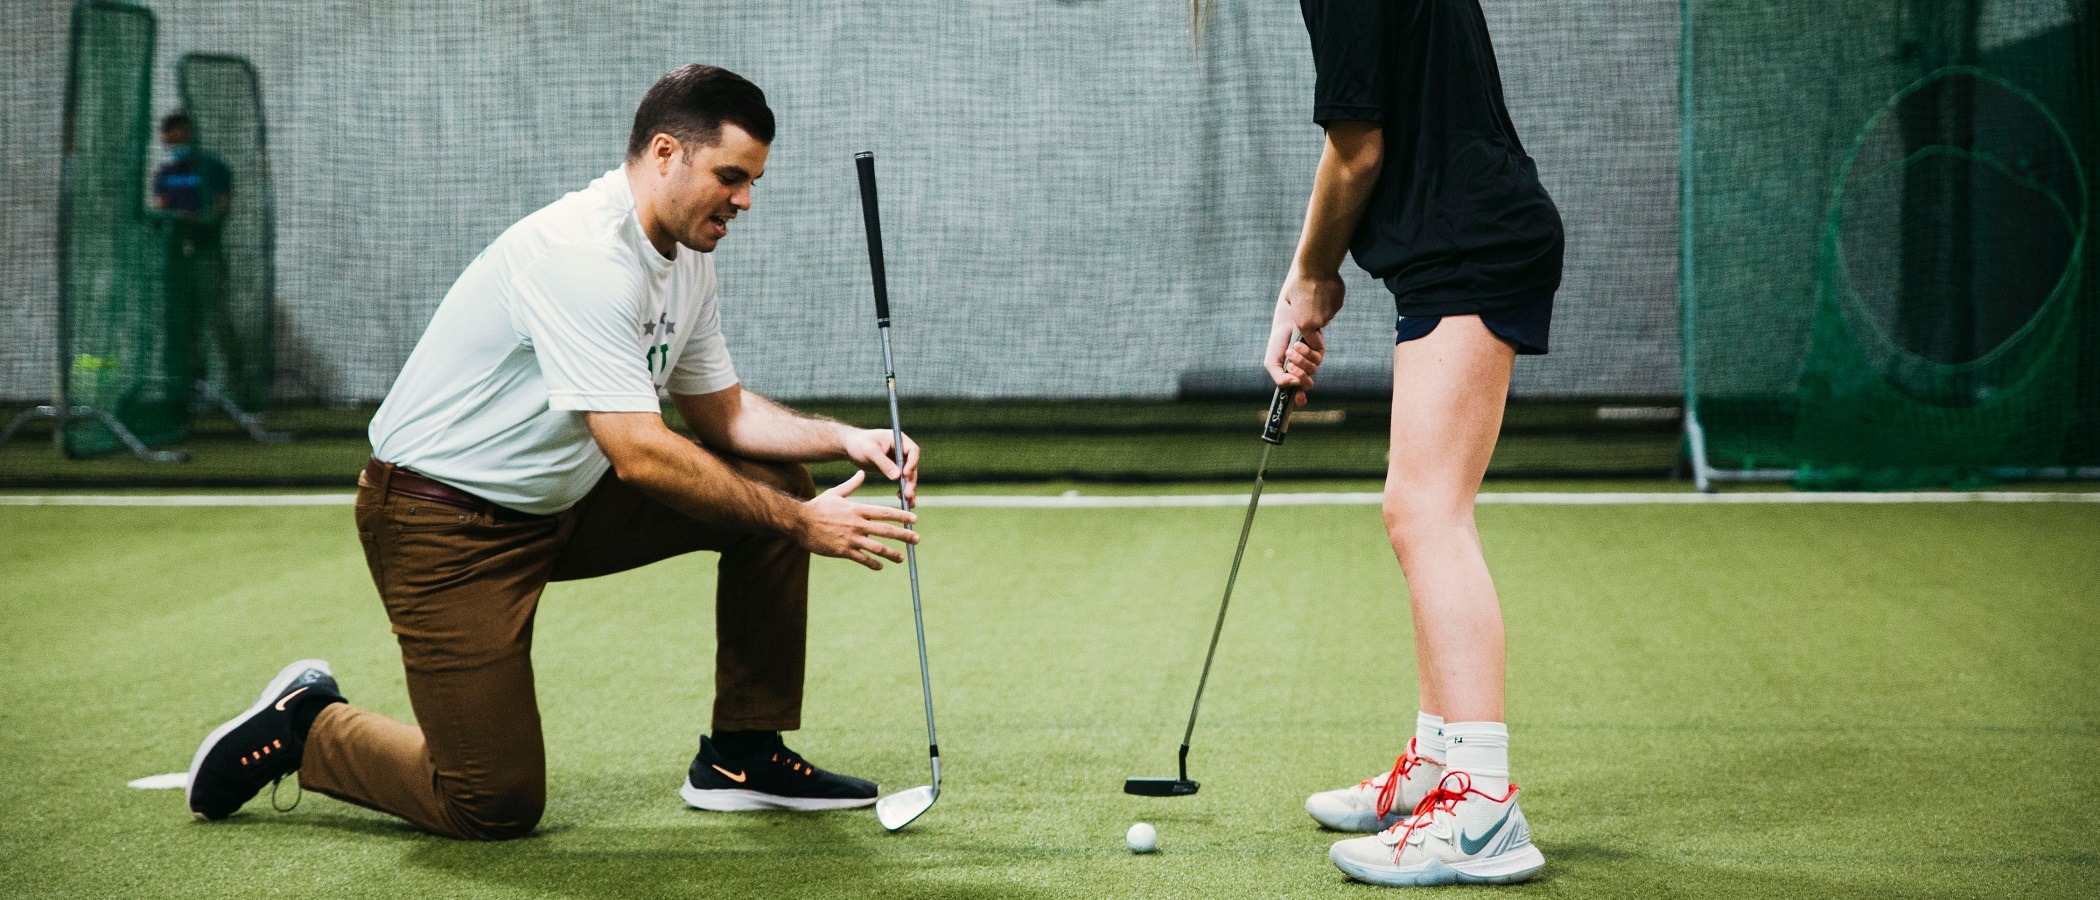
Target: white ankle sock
1429	737
1481	750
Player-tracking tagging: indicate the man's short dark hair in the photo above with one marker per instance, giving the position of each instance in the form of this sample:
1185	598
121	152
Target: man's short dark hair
693	102
173	119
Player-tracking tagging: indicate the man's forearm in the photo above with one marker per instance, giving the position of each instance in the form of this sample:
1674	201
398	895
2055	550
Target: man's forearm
1348	170
763	429
692	481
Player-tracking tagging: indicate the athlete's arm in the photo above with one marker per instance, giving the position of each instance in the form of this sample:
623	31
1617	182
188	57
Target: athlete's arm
649	455
742	422
1312	291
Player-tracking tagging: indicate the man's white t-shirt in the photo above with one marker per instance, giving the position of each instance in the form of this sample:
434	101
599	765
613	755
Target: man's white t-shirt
570	310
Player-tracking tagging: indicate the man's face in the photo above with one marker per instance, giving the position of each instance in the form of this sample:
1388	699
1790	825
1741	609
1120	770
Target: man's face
706	187
175	135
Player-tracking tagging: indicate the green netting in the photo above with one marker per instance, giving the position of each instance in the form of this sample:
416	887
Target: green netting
1886	238
118	353
225	265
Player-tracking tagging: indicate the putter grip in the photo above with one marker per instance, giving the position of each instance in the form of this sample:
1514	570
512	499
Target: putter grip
1279	420
865	162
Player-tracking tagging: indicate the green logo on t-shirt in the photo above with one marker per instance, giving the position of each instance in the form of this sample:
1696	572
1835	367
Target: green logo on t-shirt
659	356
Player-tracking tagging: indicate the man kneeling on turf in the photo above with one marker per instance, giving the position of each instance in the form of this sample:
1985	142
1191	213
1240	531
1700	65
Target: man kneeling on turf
524	443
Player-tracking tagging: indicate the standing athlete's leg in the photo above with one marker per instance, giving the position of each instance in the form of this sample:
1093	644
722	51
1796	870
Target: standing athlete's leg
1449	388
1447	409
1448	395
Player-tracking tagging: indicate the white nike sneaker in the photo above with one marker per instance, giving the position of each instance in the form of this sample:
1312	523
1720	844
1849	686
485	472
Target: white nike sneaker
1459	836
1381	801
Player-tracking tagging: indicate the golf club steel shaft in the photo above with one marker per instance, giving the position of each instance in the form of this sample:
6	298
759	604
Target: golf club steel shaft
911	552
1246	526
1274	426
865	163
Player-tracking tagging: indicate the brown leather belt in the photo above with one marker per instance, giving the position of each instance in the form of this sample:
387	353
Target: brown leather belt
390	478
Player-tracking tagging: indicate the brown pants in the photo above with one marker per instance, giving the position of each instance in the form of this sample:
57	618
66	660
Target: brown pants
461	586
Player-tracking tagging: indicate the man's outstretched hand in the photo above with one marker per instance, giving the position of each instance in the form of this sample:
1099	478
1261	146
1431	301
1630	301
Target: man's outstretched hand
844	529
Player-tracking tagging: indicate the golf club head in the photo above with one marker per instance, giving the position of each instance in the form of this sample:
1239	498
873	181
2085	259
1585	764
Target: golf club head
897	810
1159	787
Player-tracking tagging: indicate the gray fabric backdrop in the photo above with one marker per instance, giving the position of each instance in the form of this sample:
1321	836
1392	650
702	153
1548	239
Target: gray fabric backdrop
1079	200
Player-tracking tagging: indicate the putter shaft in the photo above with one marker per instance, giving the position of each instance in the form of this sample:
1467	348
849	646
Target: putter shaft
1238	553
1274	427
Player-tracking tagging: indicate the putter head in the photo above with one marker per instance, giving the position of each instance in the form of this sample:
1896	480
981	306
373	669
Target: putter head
897	810
1159	787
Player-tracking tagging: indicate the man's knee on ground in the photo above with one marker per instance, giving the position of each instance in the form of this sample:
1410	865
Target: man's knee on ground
499	811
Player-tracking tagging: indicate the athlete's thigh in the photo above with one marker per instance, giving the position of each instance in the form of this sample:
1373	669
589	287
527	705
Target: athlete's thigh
1449	388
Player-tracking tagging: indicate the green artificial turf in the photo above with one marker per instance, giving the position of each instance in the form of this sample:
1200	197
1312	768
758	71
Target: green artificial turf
1706	701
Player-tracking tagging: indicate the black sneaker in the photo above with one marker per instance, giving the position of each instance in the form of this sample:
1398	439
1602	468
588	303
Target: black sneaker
774	779
257	747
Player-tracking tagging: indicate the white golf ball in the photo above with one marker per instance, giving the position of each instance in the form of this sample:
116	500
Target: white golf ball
1143	838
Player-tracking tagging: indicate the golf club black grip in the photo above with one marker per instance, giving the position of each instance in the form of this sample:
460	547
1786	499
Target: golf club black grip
865	162
1279	420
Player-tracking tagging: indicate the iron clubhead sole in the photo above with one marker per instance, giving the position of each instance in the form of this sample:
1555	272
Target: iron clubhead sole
1159	787
899	809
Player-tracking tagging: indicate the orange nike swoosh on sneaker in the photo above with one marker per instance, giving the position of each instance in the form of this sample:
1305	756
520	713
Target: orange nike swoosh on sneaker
737	777
281	701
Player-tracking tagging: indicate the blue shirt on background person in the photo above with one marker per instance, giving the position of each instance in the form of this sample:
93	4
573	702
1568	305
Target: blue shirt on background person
192	184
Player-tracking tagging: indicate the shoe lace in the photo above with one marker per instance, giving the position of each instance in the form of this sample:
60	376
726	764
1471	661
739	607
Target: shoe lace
298	793
794	762
1390	790
264	752
1444	798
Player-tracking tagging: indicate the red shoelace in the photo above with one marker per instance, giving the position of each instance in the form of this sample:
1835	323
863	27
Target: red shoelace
1449	790
1391	789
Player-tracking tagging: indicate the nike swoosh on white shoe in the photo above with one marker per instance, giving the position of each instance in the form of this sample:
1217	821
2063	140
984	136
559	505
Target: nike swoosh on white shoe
1470	846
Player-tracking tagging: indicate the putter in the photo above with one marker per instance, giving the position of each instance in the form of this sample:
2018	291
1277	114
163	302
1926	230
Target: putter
899	809
1272	432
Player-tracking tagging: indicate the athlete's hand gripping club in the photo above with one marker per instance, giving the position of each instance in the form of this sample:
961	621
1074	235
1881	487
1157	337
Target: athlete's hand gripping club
1312	290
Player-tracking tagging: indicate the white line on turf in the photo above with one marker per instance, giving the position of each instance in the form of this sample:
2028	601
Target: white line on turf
177	499
173	781
1129	501
1511	498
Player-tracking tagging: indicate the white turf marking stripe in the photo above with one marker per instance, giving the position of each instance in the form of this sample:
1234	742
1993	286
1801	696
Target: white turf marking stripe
1510	498
169	782
1072	501
177	499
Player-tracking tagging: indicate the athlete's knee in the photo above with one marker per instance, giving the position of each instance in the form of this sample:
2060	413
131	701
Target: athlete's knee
1414	512
499	811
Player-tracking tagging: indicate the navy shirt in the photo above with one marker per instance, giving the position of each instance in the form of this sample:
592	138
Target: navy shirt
191	182
1458	222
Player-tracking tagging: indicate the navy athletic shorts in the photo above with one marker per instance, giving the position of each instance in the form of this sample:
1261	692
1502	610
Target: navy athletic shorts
1525	327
